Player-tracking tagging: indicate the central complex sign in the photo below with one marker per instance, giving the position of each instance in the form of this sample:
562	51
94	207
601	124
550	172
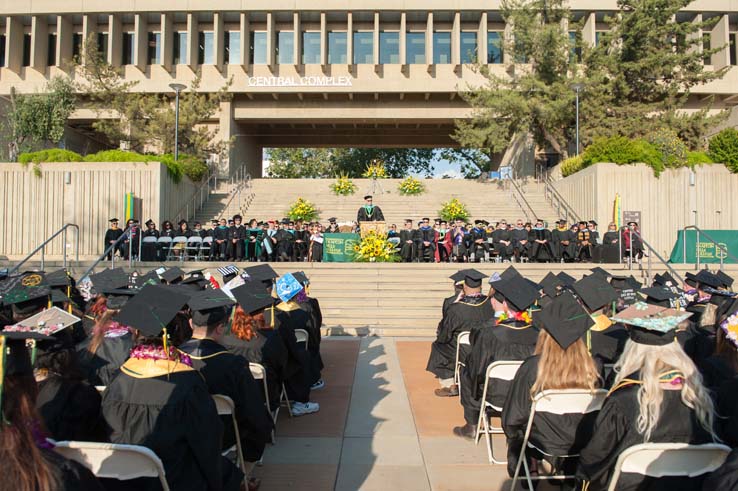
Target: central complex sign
300	81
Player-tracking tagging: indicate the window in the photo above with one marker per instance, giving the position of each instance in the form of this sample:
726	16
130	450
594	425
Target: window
468	47
180	48
205	50
598	37
51	51
575	46
258	47
441	48
128	48
76	44
232	47
389	47
285	47
2	50
26	50
154	51
415	48
311	48
102	44
733	48
706	38
363	48
337	48
494	47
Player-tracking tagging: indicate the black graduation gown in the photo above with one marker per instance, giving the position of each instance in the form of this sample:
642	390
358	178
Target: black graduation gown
518	235
70	409
103	366
726	407
505	251
426	234
615	430
556	434
292	316
72	475
298	376
608	252
564	251
509	341
374	214
235	250
725	478
538	251
149	250
228	374
715	371
607	345
461	316
113	235
167	408
447	302
284	246
219	249
312	307
482	247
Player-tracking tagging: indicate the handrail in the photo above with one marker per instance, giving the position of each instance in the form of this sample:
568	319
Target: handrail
197	199
42	248
236	191
551	194
651	252
697	244
520	196
111	250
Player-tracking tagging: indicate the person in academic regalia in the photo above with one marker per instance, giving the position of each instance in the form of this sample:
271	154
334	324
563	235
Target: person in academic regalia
657	397
722	364
632	240
253	241
725	478
564	241
407	242
502	241
508	337
228	374
585	243
520	242
541	247
458	279
479	245
219	246
426	242
131	242
332	226
149	251
111	235
315	245
300	250
561	361
470	309
444	241
285	242
236	236
369	212
29	462
459	248
609	251
160	401
723	375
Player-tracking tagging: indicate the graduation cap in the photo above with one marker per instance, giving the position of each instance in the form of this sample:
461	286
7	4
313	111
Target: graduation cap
150	278
368	196
209	307
58	296
47	322
457	277
262	272
58	278
152	310
109	279
113	220
659	295
599	271
708	279
119	297
518	292
726	280
509	273
27	293
14	357
301	277
550	284
494	278
595	292
665	280
172	275
565	278
252	299
625	282
472	277
651	325
287	287
564	319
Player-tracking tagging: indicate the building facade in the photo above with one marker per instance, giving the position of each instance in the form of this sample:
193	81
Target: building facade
308	73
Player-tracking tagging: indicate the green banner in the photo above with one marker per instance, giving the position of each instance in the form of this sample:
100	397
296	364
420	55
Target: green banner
339	248
709	253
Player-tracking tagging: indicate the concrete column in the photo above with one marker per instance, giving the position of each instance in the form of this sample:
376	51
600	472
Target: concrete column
64	36
376	38
218	40
323	40
167	41
13	43
89	27
39	43
429	39
720	36
140	41
271	38
350	39
403	38
588	31
245	149
193	33
244	41
115	40
482	40
696	37
297	44
456	39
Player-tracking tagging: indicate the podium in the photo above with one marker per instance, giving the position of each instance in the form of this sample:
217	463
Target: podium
379	227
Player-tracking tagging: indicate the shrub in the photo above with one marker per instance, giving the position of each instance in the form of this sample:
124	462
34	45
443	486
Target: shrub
621	150
118	156
188	165
571	165
723	148
673	150
49	155
698	158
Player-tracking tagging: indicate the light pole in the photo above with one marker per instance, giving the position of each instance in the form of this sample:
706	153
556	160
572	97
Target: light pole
177	88
578	88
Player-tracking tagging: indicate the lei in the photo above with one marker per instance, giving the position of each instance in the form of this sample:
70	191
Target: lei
517	316
149	352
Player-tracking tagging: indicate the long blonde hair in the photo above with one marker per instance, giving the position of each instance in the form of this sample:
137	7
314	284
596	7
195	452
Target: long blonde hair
558	368
650	362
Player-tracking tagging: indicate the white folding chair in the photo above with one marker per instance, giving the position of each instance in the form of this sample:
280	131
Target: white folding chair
175	243
461	338
669	459
259	373
564	401
302	336
226	407
192	249
207	243
165	245
115	461
150	240
498	370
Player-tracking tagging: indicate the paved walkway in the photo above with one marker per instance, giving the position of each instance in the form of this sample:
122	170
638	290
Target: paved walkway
379	428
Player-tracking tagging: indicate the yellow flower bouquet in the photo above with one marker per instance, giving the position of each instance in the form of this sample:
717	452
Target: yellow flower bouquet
303	210
375	170
411	187
454	210
343	186
375	247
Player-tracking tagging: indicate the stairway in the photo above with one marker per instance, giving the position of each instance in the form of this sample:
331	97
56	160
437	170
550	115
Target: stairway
220	204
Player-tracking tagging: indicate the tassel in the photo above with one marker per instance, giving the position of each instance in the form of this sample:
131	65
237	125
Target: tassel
166	349
33	352
69	295
307	289
271	321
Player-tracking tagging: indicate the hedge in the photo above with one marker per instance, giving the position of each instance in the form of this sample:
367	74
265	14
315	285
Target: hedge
724	148
49	155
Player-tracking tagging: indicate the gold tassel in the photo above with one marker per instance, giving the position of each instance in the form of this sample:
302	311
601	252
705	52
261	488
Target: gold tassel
33	352
271	321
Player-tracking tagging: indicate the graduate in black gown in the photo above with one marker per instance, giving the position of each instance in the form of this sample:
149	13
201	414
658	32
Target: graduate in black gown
561	361
458	279
161	402
285	242
228	374
149	249
369	212
610	250
470	309
219	246
312	307
111	235
479	245
541	246
721	375
508	337
658	396
28	459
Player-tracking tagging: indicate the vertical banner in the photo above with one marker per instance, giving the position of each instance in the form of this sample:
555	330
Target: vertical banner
129	208
616	213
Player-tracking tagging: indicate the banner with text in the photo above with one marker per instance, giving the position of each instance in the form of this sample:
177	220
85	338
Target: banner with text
709	253
339	248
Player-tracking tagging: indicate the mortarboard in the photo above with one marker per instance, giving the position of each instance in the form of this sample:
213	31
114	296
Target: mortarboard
625	282
457	277
599	271
152	310
262	272
708	279
595	292
301	277
566	279
27	294
58	278
726	280
368	196
58	296
113	220
251	298
109	279
47	322
332	219
509	273
518	292
659	295
473	278
652	325
550	284
665	280
172	275
15	358
494	278
564	319
287	287
119	297
209	307
150	278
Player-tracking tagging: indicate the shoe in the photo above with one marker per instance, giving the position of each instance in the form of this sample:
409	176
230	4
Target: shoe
318	385
450	391
467	431
303	408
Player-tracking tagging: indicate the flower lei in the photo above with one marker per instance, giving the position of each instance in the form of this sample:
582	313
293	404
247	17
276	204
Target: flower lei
149	352
730	326
523	316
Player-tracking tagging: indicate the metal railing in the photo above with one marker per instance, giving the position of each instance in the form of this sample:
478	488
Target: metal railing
42	248
651	252
519	197
244	187
198	198
699	232
558	201
111	250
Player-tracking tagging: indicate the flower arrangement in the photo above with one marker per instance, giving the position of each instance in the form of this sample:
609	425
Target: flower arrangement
454	210
375	170
303	210
411	187
343	186
375	247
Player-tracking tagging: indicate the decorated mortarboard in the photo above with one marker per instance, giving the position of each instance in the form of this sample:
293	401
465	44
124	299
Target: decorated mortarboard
595	292
262	272
194	277
152	310
651	324
47	322
665	279
301	277
473	278
564	319
730	328
494	278
58	278
27	293
209	307
719	292
109	279
565	278
287	287
172	275
725	280
518	292
707	278
550	284
150	278
252	298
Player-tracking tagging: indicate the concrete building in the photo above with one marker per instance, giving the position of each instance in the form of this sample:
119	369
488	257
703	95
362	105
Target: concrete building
323	73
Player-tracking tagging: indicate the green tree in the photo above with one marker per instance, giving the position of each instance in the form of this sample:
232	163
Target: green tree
471	161
300	162
398	162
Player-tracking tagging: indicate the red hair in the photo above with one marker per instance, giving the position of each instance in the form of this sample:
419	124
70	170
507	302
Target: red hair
245	325
99	307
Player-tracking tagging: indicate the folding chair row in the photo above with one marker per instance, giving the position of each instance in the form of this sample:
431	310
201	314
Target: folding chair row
192	247
461	338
